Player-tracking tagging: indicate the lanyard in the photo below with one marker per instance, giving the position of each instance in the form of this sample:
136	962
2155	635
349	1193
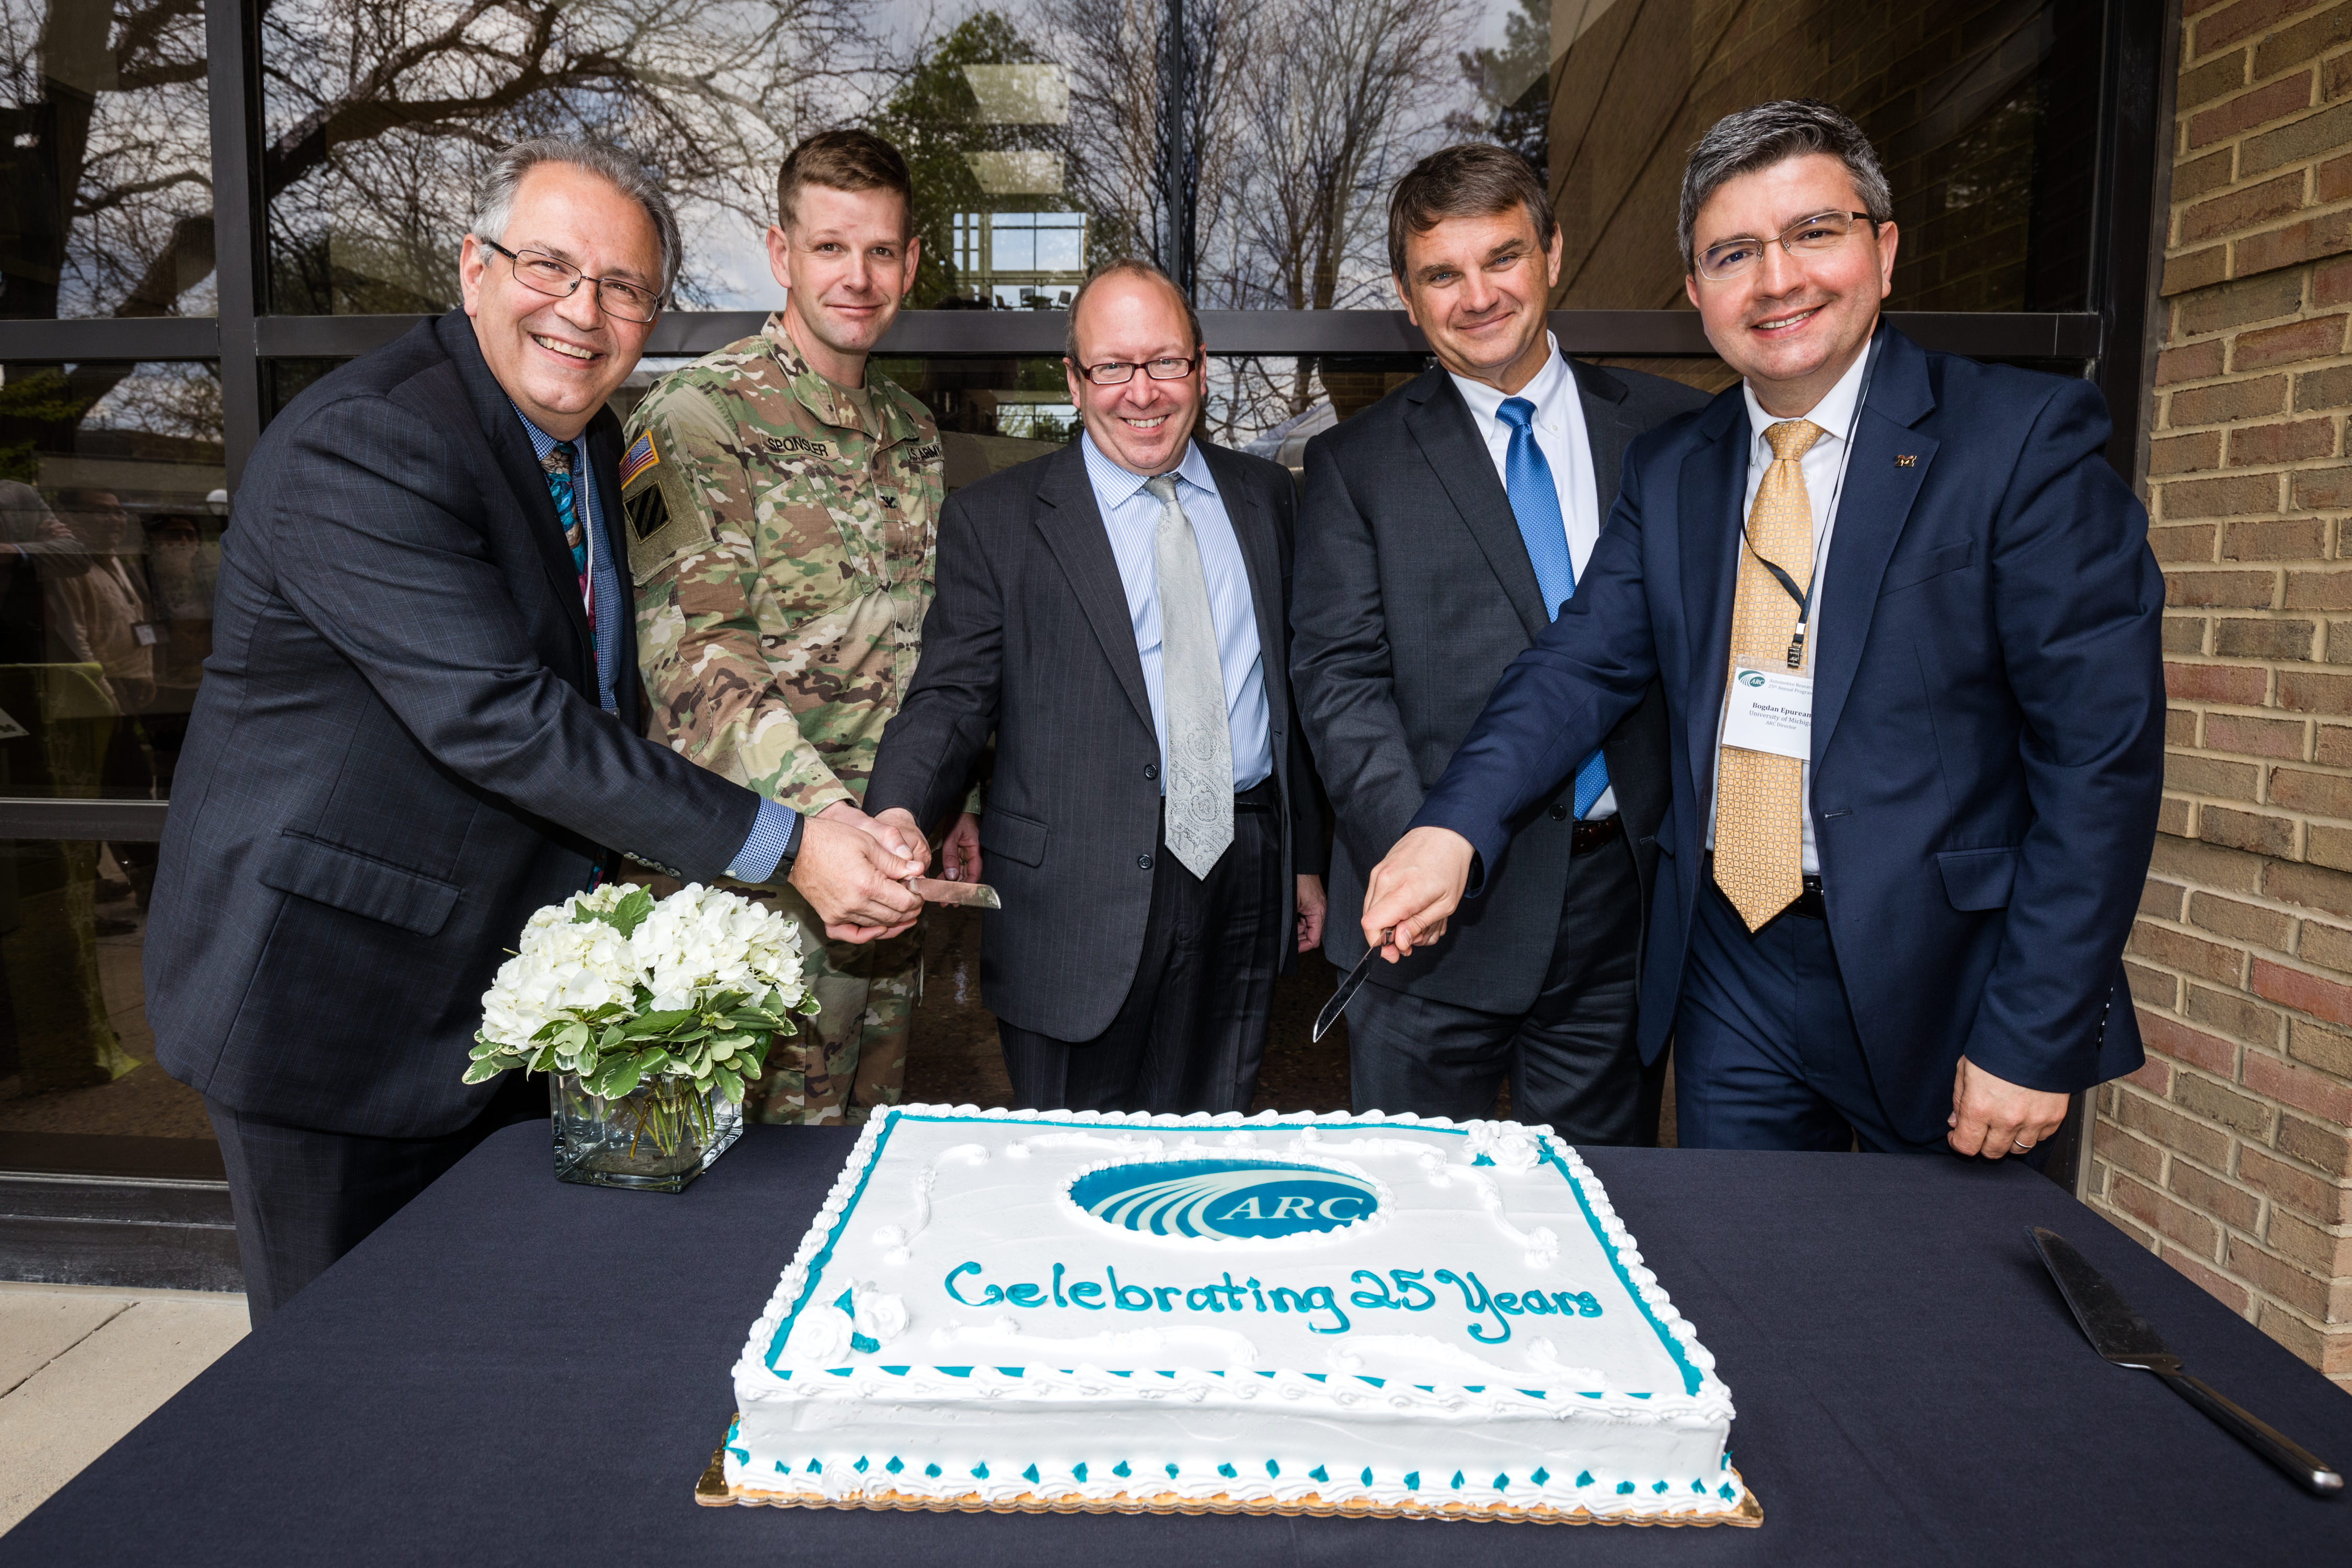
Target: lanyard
1804	598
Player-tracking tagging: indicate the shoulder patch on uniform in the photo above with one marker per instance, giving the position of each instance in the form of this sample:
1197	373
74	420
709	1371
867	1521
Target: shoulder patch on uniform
664	522
637	459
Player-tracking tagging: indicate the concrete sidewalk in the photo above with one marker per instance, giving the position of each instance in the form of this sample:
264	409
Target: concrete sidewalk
80	1367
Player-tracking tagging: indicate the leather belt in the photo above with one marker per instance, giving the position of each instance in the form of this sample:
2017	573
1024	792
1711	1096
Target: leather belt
1591	834
1808	905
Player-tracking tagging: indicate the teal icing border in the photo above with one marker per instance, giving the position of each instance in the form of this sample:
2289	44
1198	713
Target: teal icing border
1692	1377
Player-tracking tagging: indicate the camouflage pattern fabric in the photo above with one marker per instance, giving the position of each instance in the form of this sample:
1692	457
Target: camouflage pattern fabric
782	532
781	537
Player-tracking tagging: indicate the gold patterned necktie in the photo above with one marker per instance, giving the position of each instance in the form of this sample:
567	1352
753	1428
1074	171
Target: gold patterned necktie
1760	798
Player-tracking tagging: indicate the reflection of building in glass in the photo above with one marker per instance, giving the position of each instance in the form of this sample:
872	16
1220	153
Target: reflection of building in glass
1021	261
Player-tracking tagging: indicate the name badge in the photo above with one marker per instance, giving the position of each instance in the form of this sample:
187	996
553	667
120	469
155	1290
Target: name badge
1770	710
147	634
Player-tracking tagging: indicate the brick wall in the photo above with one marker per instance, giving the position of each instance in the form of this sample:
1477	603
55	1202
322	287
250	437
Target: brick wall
2230	1152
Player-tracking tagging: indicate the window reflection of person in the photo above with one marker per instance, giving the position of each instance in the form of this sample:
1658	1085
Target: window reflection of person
181	573
109	613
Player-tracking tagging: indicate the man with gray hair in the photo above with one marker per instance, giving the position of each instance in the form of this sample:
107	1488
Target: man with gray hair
1907	623
420	723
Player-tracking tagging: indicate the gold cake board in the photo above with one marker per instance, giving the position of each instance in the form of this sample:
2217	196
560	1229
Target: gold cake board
712	1492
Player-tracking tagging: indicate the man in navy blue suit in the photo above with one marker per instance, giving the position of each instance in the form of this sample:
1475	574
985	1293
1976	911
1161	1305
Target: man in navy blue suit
1905	619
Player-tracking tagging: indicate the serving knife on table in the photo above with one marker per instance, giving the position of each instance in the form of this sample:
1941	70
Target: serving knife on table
1350	987
2125	1339
933	890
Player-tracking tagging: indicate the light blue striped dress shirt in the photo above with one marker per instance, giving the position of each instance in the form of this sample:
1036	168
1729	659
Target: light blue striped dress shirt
1130	516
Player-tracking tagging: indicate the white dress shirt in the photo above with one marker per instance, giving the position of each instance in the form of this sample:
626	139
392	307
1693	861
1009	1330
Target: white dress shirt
1559	433
1130	516
1823	466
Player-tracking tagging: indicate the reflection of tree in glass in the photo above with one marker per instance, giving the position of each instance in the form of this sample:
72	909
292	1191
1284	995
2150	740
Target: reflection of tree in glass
1513	85
380	112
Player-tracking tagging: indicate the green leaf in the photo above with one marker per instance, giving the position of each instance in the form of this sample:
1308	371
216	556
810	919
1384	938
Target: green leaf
652	1063
661	1023
732	1086
629	913
616	1079
482	1072
545	1061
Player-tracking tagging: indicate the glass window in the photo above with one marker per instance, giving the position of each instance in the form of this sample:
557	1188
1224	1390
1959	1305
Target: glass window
105	160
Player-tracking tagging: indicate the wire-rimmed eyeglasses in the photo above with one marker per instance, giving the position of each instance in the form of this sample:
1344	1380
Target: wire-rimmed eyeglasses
1119	373
558	279
1806	236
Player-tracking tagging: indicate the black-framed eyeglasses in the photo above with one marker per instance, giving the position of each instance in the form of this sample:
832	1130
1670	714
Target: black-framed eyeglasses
1806	236
558	279
1119	373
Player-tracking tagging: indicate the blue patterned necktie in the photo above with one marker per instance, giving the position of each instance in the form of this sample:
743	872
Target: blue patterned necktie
1534	502
557	465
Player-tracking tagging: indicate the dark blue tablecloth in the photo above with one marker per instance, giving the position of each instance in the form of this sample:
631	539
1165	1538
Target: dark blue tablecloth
515	1371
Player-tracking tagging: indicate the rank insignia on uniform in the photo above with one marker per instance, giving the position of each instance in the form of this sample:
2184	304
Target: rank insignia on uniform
640	457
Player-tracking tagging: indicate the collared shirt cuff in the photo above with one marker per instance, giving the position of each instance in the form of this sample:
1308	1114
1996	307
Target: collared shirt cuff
773	832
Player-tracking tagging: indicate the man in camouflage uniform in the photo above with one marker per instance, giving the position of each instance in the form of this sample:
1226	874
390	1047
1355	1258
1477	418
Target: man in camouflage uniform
784	505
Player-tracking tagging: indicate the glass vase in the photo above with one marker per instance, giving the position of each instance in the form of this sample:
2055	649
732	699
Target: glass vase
657	1138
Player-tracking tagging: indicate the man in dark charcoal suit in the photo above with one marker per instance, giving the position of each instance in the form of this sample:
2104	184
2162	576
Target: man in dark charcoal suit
419	724
1117	613
1441	532
1908	629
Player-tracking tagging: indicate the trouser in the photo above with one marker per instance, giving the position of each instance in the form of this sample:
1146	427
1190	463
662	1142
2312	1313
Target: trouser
1765	1052
1190	1034
852	1057
1571	1058
302	1197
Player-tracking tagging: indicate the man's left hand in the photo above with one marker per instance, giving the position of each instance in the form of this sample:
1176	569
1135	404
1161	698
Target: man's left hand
1311	905
960	850
1994	1117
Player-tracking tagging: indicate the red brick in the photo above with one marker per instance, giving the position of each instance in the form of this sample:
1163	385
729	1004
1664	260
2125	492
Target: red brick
2334	748
2248	208
2328	845
2164	1216
2230	400
2323	795
2193	544
2234	921
2179	949
2211	172
2210	776
2330	30
2222	1289
2305	692
2240	683
2309	993
2211	1194
2150	988
2298	539
2315	1143
2137	1155
2186	635
2318	1048
2255	737
2289	441
2154	1077
2216	1055
2197	269
2263	298
2329	234
2314	339
2196	362
2340	651
2234	1015
2325	946
2240	21
2264	104
2335	78
2291	1332
2239	496
2162	900
2309	886
2186	861
2184	454
2304	137
2331	282
2321	489
2323	389
2220	1102
2318	591
2176	815
2293	1237
2211	80
2260	636
2167	1126
2180	723
2331	182
2275	1277
2293	1186
2320	1094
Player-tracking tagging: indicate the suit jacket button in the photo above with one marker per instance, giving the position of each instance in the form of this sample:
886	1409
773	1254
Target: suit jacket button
1143	862
1559	814
1151	770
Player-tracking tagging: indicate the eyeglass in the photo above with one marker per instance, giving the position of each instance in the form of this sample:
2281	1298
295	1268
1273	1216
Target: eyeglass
544	274
1806	236
1119	373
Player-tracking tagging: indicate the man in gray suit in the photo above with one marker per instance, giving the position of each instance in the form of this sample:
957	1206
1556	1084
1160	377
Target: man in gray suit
420	723
1440	531
1117	613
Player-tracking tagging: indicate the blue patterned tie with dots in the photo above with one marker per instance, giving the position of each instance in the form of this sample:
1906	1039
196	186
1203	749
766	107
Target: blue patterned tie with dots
1534	502
557	466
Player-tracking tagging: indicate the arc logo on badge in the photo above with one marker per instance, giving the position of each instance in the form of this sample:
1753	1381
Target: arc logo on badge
1769	710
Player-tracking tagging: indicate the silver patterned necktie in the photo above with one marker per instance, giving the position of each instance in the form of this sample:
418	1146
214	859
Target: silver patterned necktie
1192	684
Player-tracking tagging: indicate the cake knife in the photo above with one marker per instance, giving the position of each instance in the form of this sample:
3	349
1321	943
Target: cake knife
2124	1338
931	889
1350	987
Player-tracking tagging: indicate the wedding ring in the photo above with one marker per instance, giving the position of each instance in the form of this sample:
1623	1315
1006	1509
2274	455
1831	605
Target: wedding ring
2027	1147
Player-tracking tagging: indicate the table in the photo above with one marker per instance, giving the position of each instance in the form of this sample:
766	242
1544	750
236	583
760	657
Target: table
517	1371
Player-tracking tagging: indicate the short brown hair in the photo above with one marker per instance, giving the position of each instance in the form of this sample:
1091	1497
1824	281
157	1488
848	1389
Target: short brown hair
1126	267
849	160
1471	178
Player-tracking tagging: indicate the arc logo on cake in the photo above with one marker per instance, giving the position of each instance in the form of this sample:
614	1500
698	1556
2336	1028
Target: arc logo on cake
1224	1199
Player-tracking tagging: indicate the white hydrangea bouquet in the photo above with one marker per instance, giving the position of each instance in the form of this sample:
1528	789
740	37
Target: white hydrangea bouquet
652	1016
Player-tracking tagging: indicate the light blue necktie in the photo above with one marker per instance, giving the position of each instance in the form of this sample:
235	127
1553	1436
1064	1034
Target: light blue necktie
1534	502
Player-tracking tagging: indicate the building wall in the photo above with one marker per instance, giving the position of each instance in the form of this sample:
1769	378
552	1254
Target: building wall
2230	1154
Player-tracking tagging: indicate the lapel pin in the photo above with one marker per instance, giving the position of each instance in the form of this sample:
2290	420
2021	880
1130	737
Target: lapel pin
1905	460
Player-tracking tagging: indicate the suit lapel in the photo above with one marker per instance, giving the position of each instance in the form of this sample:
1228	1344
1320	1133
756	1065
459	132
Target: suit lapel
1440	422
1874	504
1713	479
1246	509
600	451
1071	524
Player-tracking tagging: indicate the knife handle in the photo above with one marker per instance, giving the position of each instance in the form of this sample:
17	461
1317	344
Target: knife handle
2309	1470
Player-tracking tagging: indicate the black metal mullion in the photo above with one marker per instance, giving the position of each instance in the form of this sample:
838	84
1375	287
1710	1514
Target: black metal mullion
233	43
2131	202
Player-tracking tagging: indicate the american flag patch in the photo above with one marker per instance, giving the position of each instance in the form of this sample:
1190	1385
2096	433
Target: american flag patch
639	458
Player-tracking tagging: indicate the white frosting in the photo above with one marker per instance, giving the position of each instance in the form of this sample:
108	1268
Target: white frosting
1390	1353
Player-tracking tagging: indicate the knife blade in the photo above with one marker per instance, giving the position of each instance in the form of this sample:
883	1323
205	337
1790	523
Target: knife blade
932	890
2124	1338
1350	987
